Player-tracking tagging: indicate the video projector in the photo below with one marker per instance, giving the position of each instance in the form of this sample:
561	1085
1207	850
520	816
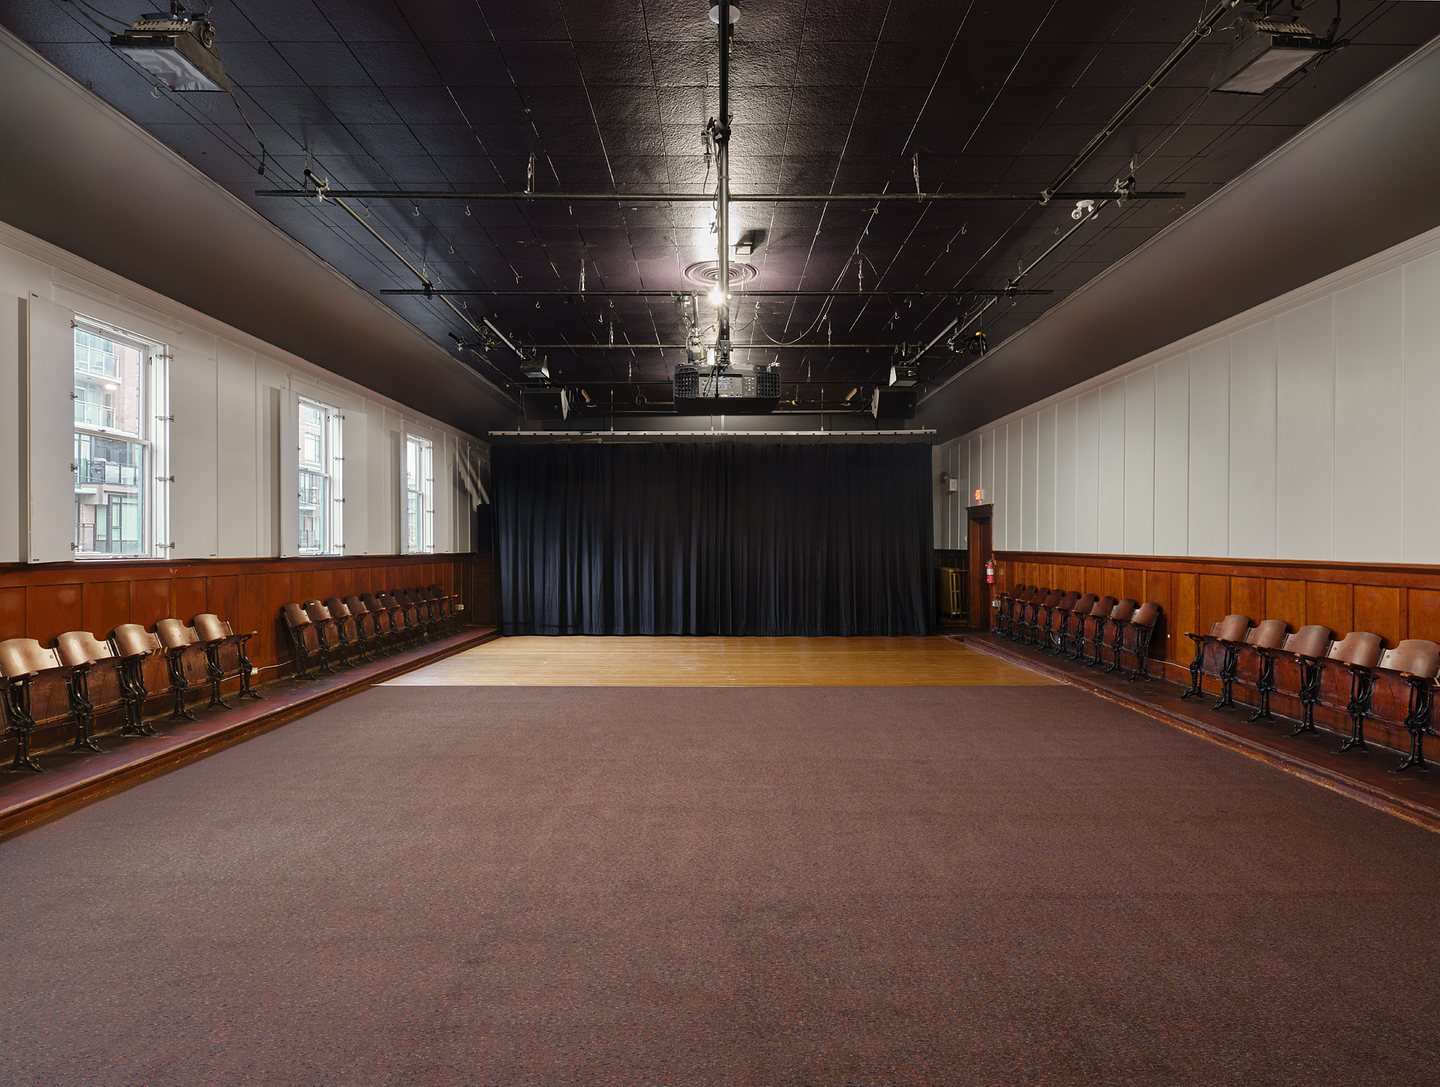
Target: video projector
706	388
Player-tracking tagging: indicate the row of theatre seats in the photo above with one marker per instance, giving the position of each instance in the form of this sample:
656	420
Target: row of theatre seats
83	676
1356	675
361	626
1065	623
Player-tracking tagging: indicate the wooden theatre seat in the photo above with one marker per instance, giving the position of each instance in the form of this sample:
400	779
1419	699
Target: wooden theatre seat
1005	608
1359	653
1074	623
225	656
36	692
1056	619
1417	663
323	624
187	664
1308	647
1265	639
1140	629
1093	622
95	682
135	647
347	630
366	629
1120	616
1221	647
382	623
1039	602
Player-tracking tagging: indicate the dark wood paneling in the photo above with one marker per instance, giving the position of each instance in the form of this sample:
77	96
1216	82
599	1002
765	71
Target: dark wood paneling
1285	600
52	610
1212	601
1247	597
1424	614
1396	602
1377	609
1329	605
43	601
149	602
12	612
106	606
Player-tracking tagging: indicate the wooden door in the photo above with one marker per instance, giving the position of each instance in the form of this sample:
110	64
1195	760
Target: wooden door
978	546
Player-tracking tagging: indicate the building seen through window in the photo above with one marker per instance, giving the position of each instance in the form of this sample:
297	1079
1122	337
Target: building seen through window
112	445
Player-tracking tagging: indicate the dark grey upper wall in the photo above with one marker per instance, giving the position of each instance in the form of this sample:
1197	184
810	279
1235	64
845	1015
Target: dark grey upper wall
1361	179
76	173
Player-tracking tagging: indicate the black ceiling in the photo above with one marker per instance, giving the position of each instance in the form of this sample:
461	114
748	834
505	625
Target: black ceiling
828	97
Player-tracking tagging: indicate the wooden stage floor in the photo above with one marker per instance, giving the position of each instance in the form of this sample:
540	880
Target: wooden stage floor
721	662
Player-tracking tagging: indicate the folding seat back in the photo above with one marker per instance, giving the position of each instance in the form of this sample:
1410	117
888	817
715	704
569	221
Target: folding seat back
1358	648
347	631
1232	628
1092	629
1142	624
1312	641
36	692
1120	616
1269	634
367	629
95	686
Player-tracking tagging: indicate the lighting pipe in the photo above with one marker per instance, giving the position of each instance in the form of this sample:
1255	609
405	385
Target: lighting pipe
413	195
720	130
956	293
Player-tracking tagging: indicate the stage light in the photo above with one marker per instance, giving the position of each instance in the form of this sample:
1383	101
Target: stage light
716	297
1265	50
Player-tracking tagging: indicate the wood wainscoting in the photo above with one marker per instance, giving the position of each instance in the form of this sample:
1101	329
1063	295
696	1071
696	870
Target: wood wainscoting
45	600
1394	601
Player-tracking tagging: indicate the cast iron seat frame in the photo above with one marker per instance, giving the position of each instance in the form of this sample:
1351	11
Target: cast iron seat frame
185	658
1120	617
1143	623
215	634
1265	638
1097	617
297	625
134	645
22	662
1360	653
1229	634
1310	647
82	653
1418	663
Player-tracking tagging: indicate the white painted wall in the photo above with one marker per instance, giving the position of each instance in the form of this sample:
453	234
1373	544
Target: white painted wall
228	393
1302	429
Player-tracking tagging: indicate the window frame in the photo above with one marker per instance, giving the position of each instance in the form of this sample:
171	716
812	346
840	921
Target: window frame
153	482
332	471
424	493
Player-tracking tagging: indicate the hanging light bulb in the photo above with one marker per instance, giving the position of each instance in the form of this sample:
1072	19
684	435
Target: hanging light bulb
715	296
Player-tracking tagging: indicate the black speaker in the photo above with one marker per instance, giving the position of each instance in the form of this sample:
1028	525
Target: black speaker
545	405
893	403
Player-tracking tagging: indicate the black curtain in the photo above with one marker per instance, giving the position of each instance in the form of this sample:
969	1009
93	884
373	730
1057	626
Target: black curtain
712	538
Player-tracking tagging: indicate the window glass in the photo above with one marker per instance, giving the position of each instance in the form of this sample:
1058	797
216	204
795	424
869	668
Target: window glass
419	496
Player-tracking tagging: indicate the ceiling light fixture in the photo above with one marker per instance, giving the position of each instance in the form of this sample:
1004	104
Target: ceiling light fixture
1265	50
178	49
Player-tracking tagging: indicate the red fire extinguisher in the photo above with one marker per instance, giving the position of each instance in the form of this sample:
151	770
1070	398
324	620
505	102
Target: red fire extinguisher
990	573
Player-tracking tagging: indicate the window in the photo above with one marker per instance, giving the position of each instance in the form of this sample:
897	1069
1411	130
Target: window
419	495
321	482
119	501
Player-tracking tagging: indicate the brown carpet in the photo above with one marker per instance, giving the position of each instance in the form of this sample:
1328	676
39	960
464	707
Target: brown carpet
739	886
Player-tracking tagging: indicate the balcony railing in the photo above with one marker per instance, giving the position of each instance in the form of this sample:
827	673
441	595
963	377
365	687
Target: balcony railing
96	415
101	471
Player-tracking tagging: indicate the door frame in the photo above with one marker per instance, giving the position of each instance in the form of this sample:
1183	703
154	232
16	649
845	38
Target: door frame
978	544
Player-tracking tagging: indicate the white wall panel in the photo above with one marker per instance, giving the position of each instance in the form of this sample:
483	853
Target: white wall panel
1305	431
1045	490
1420	538
1111	493
239	417
1087	472
47	444
1252	442
194	452
12	322
287	458
1030	459
1258	437
1210	449
1172	456
355	479
1015	492
996	490
1065	423
1140	463
1369	387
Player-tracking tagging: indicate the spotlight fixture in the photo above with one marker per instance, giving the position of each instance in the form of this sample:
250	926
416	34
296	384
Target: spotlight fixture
1082	209
715	296
734	13
903	376
1265	50
178	49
